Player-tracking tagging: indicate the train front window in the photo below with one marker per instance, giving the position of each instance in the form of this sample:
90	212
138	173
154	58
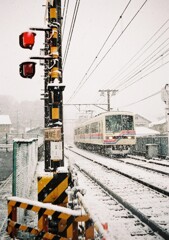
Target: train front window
127	122
117	123
113	123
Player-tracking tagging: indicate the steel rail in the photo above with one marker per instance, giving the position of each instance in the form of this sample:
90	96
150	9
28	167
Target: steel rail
153	225
127	175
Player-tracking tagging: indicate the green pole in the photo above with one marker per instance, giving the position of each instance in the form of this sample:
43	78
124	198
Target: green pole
14	169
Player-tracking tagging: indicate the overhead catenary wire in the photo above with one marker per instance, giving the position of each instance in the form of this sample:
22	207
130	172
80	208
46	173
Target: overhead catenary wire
140	78
163	64
107	39
104	43
143	62
64	8
130	63
141	100
149	66
65	11
117	39
76	8
71	30
135	72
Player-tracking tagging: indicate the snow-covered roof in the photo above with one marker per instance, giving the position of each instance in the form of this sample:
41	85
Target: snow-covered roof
144	131
4	119
27	129
162	121
147	120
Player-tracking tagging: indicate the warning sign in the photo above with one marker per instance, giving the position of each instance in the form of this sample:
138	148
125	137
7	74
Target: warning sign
56	150
53	134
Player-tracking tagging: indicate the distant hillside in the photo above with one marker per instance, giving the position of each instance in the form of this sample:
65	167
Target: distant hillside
23	114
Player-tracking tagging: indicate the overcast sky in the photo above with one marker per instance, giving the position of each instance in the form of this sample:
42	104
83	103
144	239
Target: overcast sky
125	63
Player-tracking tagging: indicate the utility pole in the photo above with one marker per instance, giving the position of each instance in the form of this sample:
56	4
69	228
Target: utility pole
59	218
90	112
108	91
165	98
53	88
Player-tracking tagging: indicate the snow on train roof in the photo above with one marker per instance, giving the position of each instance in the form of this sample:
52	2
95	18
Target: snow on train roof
116	112
105	114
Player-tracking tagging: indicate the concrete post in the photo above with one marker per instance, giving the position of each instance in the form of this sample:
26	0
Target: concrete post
165	98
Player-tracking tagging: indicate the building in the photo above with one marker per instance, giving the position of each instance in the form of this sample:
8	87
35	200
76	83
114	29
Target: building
160	126
141	121
144	131
5	124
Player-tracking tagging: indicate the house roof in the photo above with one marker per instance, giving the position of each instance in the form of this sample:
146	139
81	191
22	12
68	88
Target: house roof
4	119
137	115
162	121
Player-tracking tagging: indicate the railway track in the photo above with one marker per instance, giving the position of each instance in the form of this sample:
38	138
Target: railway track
149	205
156	166
150	177
127	215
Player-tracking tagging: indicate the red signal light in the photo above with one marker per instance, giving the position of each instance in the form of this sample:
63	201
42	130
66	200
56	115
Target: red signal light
27	69
27	40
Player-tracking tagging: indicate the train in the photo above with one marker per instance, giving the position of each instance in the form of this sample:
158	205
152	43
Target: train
110	133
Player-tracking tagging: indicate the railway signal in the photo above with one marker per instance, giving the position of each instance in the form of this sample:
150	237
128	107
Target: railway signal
53	186
27	40
27	69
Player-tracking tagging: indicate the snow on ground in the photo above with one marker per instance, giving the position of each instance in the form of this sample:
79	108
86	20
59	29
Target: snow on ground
40	172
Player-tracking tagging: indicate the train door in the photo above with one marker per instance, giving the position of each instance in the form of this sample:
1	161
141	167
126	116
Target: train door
103	128
100	132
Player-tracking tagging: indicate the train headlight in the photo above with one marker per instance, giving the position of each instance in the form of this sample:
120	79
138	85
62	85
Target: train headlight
129	137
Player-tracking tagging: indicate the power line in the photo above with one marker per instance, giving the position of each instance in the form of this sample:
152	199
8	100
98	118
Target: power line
117	80
75	92
107	38
141	70
63	14
101	49
145	75
158	58
143	99
66	6
119	73
71	31
116	41
138	79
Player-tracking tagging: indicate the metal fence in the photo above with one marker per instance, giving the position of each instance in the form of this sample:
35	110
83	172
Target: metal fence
25	158
161	141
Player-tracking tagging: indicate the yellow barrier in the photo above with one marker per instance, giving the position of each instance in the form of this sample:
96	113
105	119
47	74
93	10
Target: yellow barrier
67	225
